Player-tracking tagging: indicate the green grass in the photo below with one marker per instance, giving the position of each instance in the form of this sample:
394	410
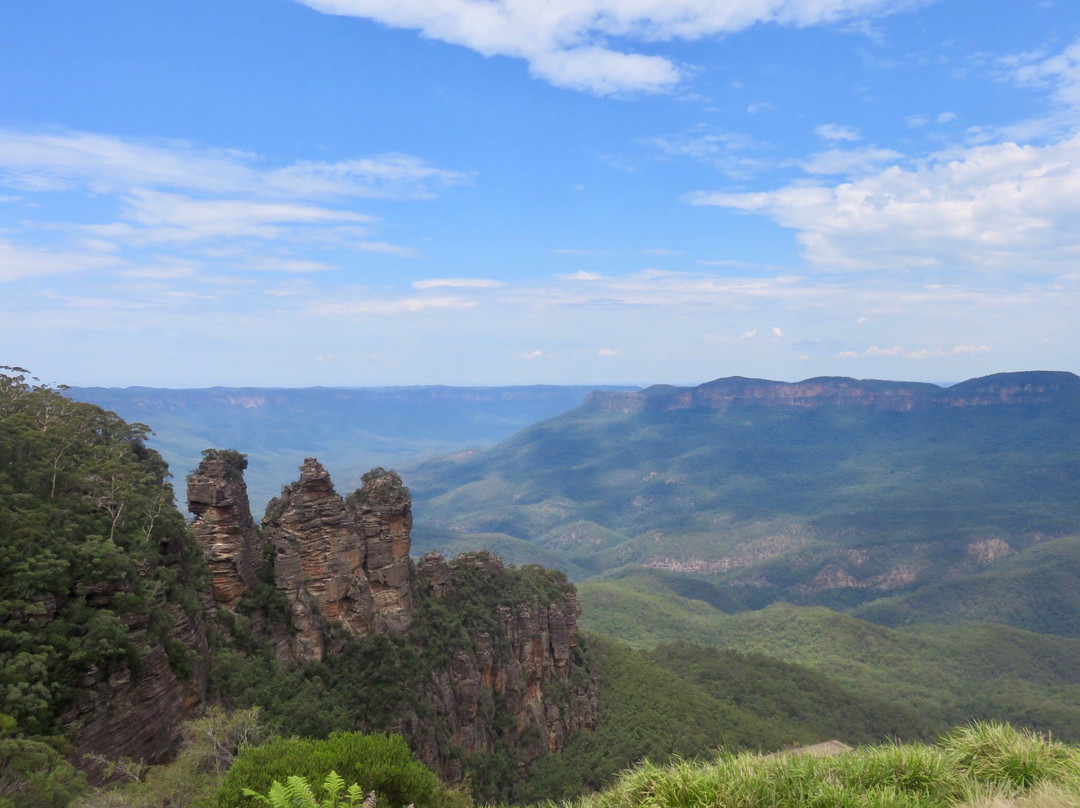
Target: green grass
982	764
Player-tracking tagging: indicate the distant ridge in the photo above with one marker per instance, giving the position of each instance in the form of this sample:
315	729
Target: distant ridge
1020	388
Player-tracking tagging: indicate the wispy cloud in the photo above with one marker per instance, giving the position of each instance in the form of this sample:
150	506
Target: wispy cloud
849	161
724	151
569	42
199	203
874	352
835	131
110	164
390	306
457	283
18	262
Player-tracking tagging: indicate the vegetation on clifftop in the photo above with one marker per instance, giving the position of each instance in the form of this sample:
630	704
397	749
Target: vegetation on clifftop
92	548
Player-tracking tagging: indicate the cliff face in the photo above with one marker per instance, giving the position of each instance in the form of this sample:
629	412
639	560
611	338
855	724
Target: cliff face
522	658
137	712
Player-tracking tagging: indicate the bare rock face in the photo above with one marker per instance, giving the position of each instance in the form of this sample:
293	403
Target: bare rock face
341	564
1000	389
223	525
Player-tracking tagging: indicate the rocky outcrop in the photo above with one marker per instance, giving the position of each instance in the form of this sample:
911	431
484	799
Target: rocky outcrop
342	565
223	525
521	662
382	512
136	711
504	677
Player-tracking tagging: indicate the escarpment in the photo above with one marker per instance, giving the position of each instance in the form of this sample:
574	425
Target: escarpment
490	660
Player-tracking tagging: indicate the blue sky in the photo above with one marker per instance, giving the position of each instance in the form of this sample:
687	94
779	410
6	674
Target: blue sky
372	192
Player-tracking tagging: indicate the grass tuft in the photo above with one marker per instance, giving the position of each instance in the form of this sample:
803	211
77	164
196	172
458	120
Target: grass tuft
977	766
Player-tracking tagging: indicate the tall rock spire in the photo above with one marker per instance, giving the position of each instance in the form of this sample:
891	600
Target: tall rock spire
223	525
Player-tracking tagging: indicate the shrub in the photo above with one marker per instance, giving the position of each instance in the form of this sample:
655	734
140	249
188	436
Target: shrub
380	763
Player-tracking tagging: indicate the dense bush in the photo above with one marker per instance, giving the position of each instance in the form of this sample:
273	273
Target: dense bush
92	546
34	772
380	763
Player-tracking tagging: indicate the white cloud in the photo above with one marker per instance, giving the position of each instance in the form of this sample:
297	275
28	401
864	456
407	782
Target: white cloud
608	352
835	131
220	204
1002	206
568	42
923	353
457	283
160	216
298	266
724	151
777	332
582	275
18	262
1061	71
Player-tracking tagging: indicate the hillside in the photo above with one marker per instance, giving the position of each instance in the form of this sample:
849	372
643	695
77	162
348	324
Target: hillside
102	636
829	491
350	429
947	674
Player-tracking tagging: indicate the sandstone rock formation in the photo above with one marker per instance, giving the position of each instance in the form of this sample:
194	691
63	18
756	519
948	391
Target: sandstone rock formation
137	713
508	681
341	564
223	525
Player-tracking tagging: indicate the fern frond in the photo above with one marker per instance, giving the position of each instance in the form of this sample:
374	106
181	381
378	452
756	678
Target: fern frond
332	785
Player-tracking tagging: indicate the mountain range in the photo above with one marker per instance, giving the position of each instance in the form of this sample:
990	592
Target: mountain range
830	491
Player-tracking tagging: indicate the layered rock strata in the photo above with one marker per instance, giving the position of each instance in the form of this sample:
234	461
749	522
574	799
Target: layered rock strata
1001	389
137	712
341	564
